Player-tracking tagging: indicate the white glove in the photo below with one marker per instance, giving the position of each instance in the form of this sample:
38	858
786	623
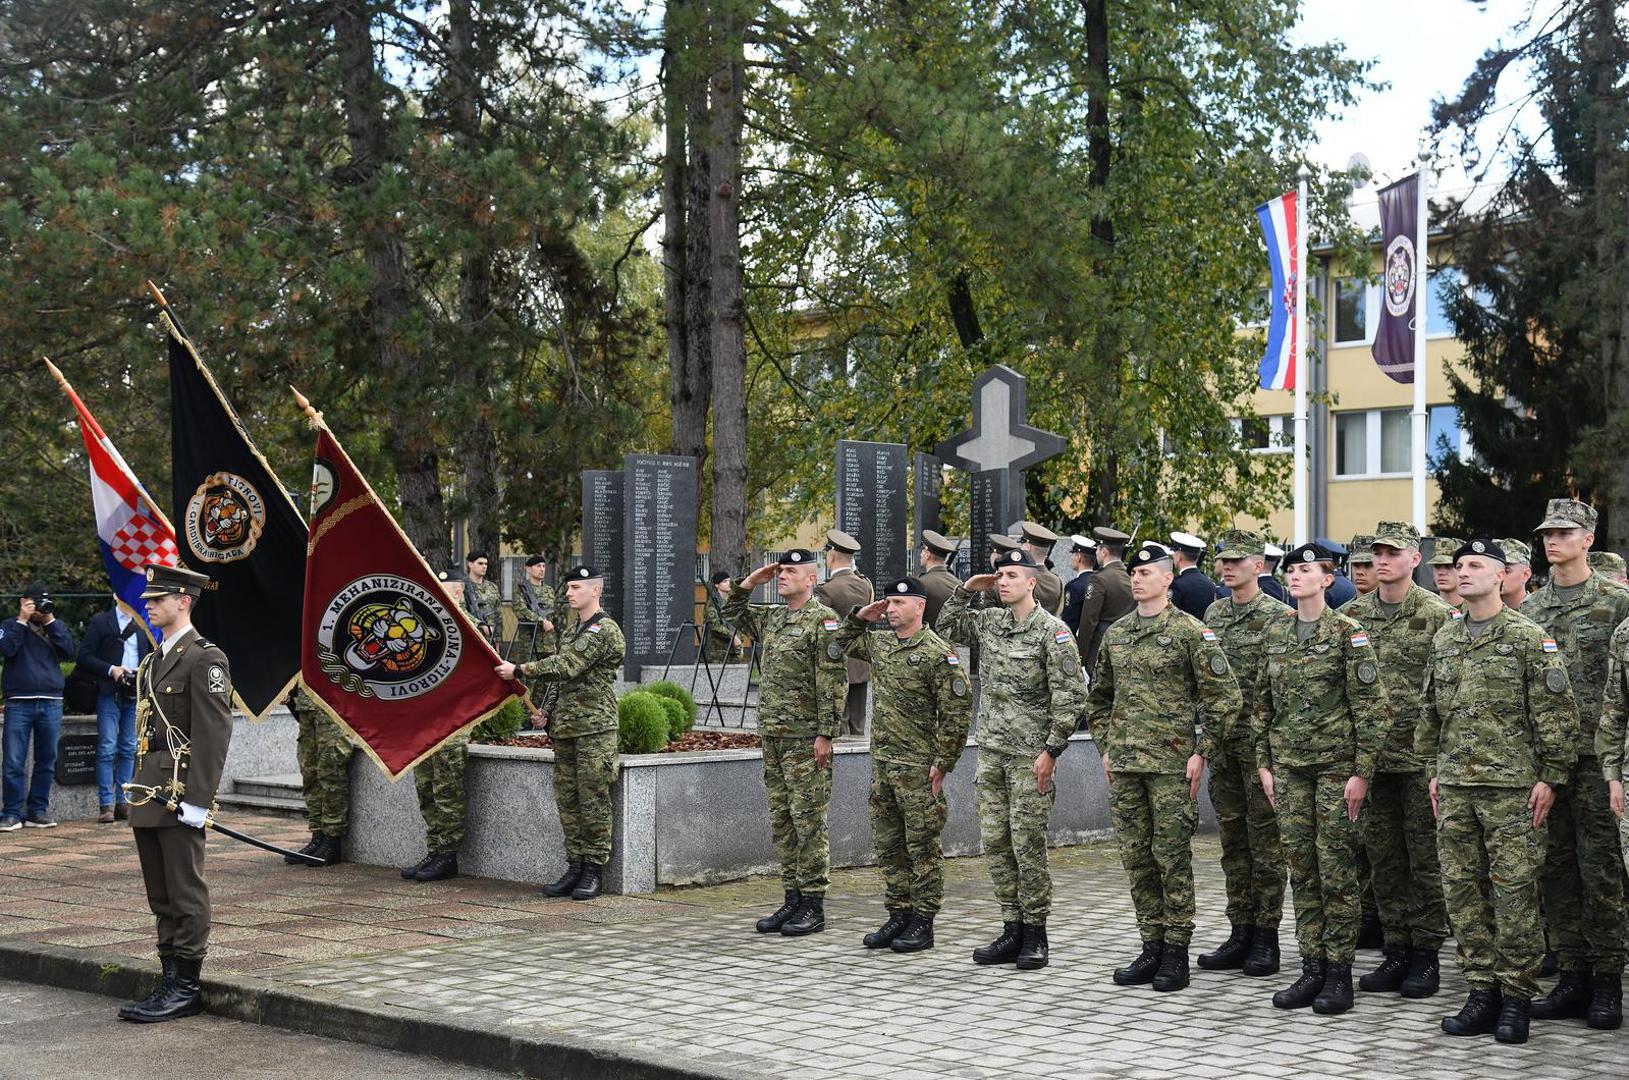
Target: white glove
193	815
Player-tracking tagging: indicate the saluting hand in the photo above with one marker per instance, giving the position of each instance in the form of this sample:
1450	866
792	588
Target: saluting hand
979	582
760	575
873	611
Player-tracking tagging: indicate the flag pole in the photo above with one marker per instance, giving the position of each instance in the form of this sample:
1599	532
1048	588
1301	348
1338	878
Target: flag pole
1299	357
1422	280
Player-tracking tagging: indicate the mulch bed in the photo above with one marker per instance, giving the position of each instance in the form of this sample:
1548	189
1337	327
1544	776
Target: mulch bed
709	739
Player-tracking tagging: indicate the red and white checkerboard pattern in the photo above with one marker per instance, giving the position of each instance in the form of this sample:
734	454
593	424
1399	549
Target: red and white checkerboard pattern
142	541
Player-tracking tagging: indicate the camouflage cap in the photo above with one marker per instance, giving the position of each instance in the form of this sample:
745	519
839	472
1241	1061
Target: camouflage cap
1517	553
1608	562
1361	550
1239	544
1443	553
1568	514
1396	534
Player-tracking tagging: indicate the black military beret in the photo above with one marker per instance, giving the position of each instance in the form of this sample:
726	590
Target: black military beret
796	557
1017	557
535	560
1484	546
906	586
1151	553
1307	553
582	573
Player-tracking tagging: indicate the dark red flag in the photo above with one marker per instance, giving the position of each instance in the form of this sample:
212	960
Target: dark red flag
383	647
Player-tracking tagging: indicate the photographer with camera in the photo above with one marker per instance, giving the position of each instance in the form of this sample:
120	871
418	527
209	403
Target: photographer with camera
33	646
114	645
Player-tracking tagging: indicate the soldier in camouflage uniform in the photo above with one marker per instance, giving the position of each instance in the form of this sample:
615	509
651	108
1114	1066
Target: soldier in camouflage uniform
439	782
1443	573
1610	565
1497	737
1583	880
1252	856
482	597
1401	619
800	712
920	712
720	645
1518	571
537	607
1031	694
1321	717
1157	670
1360	563
1610	736
324	752
582	723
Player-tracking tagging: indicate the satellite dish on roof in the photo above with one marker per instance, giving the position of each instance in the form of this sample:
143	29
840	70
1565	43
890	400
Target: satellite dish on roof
1361	171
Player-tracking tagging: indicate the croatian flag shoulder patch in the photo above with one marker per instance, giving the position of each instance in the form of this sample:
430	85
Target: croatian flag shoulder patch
1549	644
596	628
1359	640
952	660
1063	636
1207	633
829	624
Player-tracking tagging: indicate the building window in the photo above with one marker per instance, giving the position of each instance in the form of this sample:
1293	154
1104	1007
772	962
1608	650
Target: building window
1445	437
1351	444
1396	434
1374	442
1352	302
1265	434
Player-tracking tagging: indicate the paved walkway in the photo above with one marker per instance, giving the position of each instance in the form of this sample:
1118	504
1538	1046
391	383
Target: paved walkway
680	979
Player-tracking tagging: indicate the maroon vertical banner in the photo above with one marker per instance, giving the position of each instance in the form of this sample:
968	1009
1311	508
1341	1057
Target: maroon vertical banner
1401	276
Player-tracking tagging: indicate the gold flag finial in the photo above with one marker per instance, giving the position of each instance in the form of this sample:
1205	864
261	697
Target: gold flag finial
310	410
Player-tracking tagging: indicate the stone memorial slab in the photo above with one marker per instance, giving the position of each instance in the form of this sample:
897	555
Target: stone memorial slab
990	511
871	482
926	513
603	524
659	559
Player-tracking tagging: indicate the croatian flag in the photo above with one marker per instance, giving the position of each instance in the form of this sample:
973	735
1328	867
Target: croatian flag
130	530
1280	224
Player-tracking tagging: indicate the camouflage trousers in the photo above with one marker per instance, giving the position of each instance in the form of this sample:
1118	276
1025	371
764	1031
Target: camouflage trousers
585	767
1252	856
1583	878
799	794
324	752
1154	819
1491	856
1013	818
439	780
906	822
1322	846
1402	844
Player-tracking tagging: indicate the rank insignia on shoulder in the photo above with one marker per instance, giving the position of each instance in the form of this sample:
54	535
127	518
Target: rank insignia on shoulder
1207	633
953	660
1359	640
829	624
1063	636
1549	644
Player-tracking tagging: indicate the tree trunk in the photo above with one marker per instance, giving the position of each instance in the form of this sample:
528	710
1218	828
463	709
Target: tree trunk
409	438
1101	493
689	372
696	66
729	535
964	313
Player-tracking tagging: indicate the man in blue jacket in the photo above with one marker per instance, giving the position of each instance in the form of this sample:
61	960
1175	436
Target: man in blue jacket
33	645
114	645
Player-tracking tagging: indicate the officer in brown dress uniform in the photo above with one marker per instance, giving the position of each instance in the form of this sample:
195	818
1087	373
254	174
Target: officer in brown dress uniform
184	725
1108	594
938	580
845	589
1038	541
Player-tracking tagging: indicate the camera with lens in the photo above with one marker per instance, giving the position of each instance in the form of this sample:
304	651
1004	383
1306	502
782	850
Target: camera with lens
127	681
46	606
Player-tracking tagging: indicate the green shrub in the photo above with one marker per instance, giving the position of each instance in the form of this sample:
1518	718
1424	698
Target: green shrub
676	716
503	724
642	723
672	691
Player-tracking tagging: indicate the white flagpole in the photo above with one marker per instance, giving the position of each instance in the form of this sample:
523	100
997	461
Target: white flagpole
1302	375
1422	282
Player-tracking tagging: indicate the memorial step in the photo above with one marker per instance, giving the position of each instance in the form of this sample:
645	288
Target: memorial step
274	786
264	804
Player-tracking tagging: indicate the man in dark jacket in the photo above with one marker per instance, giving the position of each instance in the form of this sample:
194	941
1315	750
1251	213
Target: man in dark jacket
34	644
115	644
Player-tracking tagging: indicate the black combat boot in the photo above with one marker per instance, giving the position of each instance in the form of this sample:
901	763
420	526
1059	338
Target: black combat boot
918	935
330	849
1389	976
1004	949
1512	1026
809	918
590	884
1230	954
1478	1016
1336	996
1263	958
776	919
166	966
411	872
884	935
183	997
562	885
310	846
439	867
1033	955
1300	993
1371	935
1606	1006
1173	972
1549	965
1142	970
1568	1001
1424	974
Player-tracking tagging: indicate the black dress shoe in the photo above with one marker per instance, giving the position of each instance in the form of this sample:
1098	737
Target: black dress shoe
166	966
184	996
591	882
1478	1016
1371	935
772	923
310	846
1230	954
918	935
1173	972
1033	954
1264	957
884	935
1389	976
1512	1026
562	885
1568	1001
1424	974
1606	1004
809	918
1142	970
1004	949
1303	991
1336	996
438	867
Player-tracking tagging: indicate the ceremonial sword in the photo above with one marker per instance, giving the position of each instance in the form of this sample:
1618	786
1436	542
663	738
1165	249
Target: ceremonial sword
173	805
